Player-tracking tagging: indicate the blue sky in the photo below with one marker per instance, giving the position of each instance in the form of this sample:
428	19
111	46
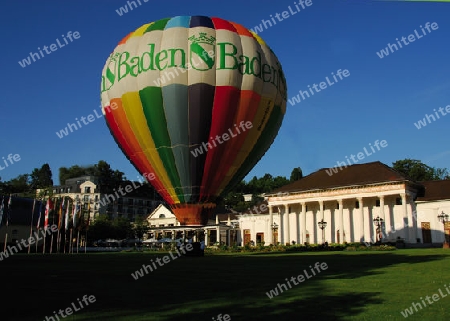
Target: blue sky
380	100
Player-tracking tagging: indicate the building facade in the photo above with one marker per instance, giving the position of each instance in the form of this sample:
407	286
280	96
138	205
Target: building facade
124	201
347	205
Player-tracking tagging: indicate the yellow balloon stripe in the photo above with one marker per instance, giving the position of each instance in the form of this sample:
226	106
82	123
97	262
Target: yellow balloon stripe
140	31
132	106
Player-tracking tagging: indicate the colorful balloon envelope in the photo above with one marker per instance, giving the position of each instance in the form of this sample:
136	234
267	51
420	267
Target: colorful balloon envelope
194	103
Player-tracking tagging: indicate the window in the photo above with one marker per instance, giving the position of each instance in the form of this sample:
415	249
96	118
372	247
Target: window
171	225
87	189
161	225
162	216
130	202
96	198
357	204
152	225
86	198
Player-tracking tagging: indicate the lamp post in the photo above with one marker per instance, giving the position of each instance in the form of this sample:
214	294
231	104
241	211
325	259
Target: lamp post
274	228
378	221
322	225
444	219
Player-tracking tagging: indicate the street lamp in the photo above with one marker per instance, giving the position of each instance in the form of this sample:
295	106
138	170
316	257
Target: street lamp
378	221
444	219
274	228
322	225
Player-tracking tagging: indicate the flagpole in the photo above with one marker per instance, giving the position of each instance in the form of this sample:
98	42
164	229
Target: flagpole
37	241
38	226
59	225
7	222
65	230
53	223
87	224
78	240
31	225
71	242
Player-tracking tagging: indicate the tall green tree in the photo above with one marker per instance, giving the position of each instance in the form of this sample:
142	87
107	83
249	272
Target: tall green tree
108	179
417	171
296	174
42	177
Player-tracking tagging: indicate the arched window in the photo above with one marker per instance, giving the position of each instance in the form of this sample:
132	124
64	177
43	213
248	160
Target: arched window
162	216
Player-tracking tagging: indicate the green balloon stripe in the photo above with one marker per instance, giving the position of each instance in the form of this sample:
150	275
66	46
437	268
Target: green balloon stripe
152	103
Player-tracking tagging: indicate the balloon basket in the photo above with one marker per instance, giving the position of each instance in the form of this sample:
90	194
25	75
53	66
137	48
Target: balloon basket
193	214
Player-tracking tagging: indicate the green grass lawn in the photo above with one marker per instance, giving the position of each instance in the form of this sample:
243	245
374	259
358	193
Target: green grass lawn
356	286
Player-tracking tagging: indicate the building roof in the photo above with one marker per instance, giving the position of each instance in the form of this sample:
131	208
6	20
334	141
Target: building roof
435	190
353	175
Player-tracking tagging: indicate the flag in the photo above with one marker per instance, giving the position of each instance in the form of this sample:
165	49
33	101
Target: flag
2	208
61	213
67	217
48	208
76	211
8	214
40	215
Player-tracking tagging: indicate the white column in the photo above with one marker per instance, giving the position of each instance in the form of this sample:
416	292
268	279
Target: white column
405	217
206	238
341	221
361	211
270	239
383	216
288	230
303	222
297	227
322	232
412	218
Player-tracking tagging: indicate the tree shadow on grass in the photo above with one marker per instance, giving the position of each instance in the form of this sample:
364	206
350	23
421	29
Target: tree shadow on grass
192	288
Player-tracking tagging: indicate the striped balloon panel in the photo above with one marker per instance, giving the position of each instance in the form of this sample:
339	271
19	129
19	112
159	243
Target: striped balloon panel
194	100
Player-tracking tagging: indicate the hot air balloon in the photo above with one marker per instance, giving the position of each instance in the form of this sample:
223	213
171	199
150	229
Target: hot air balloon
194	102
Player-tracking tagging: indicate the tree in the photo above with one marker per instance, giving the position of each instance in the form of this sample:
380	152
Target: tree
296	174
101	228
73	171
417	171
107	178
140	227
122	228
18	185
41	178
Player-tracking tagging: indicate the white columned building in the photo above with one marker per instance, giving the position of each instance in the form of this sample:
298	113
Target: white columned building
349	201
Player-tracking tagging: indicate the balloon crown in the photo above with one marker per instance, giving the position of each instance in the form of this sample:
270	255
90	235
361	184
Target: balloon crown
202	38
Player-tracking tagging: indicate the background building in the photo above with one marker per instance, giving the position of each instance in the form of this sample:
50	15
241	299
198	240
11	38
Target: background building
129	199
